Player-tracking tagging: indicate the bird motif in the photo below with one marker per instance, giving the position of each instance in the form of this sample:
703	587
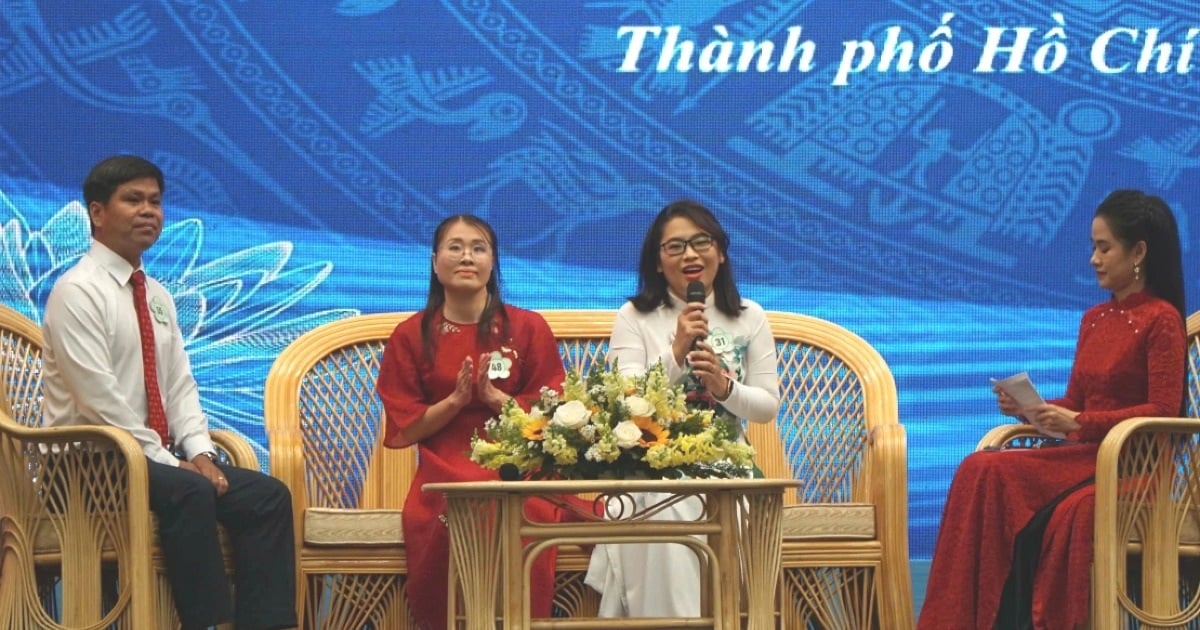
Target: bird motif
575	181
406	95
61	58
150	79
1166	159
683	12
20	65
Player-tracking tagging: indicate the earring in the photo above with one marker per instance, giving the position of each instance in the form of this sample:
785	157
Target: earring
1137	272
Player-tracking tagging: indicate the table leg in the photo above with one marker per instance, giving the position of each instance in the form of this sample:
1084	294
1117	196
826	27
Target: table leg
760	534
726	615
516	602
475	556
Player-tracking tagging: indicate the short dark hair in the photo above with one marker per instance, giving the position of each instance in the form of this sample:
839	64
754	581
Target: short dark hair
108	175
652	285
1134	216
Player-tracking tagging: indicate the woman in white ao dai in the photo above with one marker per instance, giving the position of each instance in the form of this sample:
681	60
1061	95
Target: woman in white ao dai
723	353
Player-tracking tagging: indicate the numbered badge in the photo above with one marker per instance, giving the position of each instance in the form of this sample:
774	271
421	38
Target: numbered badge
158	310
499	366
721	341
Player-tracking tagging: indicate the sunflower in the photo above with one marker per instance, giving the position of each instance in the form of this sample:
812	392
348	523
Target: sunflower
535	428
652	432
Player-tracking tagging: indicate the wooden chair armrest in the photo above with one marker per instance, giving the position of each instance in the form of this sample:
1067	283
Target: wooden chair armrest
287	465
119	440
1108	460
236	448
1114	442
889	462
888	445
1137	473
281	411
43	443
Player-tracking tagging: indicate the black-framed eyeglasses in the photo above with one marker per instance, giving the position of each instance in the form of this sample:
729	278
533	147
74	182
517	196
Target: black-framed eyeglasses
700	243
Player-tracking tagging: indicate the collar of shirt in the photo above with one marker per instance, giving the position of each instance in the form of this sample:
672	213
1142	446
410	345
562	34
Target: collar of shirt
110	261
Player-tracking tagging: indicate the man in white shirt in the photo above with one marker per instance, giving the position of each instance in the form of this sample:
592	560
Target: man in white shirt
97	371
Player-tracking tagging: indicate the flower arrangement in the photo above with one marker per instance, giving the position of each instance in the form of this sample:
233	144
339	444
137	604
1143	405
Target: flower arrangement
612	426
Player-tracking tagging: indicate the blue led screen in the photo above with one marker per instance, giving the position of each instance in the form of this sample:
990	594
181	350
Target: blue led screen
922	173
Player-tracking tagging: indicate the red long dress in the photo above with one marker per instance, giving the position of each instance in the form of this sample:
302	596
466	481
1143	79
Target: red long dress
408	386
1129	362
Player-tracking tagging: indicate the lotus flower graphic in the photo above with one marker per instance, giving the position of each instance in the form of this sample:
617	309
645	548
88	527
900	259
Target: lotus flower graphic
237	311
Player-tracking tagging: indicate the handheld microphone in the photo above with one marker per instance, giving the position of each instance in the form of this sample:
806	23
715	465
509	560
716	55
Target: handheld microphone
696	293
509	472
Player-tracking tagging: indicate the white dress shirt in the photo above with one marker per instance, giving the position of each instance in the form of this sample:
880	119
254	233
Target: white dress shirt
92	358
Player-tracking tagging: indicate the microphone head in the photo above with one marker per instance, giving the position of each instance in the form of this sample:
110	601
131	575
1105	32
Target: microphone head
509	472
695	291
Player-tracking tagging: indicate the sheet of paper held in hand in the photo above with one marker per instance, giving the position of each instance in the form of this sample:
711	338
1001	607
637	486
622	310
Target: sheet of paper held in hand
1022	390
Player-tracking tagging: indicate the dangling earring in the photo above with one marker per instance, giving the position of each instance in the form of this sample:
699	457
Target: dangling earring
1137	272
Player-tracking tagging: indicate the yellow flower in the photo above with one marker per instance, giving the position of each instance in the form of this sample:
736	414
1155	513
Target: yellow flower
605	449
556	445
739	453
535	428
652	433
611	425
482	450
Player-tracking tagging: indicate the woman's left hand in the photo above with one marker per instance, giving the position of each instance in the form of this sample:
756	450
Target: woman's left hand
487	392
707	368
1054	418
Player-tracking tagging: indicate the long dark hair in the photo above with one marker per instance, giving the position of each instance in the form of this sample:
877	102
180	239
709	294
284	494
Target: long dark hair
493	321
1134	216
652	285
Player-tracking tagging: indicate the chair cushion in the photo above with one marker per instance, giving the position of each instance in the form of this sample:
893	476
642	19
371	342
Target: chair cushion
842	521
45	539
328	526
1189	529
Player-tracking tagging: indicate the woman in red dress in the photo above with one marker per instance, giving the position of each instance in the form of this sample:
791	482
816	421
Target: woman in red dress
1015	545
445	371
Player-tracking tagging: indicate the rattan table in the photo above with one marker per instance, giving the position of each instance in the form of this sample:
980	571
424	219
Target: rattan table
492	545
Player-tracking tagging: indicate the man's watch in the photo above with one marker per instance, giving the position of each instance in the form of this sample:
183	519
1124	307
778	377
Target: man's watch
212	455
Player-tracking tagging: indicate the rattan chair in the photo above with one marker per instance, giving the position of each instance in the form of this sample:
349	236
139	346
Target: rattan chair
845	547
845	534
1146	565
77	539
323	427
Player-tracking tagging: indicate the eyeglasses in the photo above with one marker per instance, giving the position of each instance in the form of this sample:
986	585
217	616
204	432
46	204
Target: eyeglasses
700	243
460	251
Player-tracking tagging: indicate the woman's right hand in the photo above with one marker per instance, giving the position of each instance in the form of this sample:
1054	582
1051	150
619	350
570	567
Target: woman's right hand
691	325
1008	406
464	385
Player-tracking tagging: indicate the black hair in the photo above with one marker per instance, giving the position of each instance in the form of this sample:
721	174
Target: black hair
1134	216
493	321
652	285
108	175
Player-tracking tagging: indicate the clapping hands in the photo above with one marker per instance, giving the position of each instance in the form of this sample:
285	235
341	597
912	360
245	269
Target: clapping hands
473	381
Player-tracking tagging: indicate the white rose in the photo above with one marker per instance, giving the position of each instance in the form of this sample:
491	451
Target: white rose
639	407
571	415
627	434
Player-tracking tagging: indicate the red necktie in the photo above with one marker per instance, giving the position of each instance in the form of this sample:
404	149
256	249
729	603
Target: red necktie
155	414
